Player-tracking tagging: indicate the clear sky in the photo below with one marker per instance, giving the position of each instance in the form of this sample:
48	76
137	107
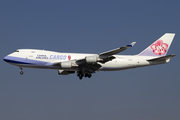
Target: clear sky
150	93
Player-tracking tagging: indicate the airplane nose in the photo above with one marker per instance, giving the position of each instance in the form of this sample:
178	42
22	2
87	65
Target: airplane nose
5	59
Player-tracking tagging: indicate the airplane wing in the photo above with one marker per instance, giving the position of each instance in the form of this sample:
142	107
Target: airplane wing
90	63
117	50
105	56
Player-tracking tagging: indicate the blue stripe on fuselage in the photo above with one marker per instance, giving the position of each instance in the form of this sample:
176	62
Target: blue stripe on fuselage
17	60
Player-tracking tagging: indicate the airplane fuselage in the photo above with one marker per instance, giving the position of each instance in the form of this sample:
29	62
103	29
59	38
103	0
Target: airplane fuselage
33	58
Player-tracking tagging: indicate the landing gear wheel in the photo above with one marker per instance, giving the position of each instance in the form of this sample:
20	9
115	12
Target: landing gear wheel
21	72
80	76
89	75
86	75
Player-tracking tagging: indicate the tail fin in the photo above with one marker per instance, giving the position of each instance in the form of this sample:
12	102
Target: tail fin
160	47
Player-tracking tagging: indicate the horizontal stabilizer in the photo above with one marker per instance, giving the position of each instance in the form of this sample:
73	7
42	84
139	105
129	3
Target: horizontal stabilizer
162	58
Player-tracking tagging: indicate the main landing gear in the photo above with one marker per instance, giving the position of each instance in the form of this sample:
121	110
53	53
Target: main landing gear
81	75
21	72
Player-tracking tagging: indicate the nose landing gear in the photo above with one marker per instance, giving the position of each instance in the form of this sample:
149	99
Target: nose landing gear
21	72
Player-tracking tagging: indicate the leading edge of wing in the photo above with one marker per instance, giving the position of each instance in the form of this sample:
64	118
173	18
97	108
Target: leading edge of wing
117	50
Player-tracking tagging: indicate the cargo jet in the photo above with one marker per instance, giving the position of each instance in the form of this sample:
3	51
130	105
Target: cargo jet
86	64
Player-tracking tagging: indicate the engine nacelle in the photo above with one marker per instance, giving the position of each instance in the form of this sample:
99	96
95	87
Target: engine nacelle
64	72
66	65
91	59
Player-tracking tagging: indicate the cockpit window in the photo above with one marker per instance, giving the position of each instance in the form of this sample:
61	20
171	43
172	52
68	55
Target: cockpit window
17	50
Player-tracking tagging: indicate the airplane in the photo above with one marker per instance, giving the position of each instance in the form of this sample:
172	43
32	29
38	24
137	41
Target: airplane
86	64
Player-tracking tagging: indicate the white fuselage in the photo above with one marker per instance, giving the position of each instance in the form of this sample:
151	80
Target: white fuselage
33	58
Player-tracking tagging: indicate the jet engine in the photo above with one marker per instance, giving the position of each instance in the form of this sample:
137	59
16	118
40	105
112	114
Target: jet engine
91	59
66	65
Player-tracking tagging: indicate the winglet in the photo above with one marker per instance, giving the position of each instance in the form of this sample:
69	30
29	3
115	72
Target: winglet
131	45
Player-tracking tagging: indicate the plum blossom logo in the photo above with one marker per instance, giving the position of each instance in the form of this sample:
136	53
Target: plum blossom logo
69	57
159	48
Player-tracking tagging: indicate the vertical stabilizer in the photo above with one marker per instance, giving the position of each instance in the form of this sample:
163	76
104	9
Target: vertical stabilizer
160	47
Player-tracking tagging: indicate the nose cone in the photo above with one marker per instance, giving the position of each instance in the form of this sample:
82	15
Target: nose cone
6	59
